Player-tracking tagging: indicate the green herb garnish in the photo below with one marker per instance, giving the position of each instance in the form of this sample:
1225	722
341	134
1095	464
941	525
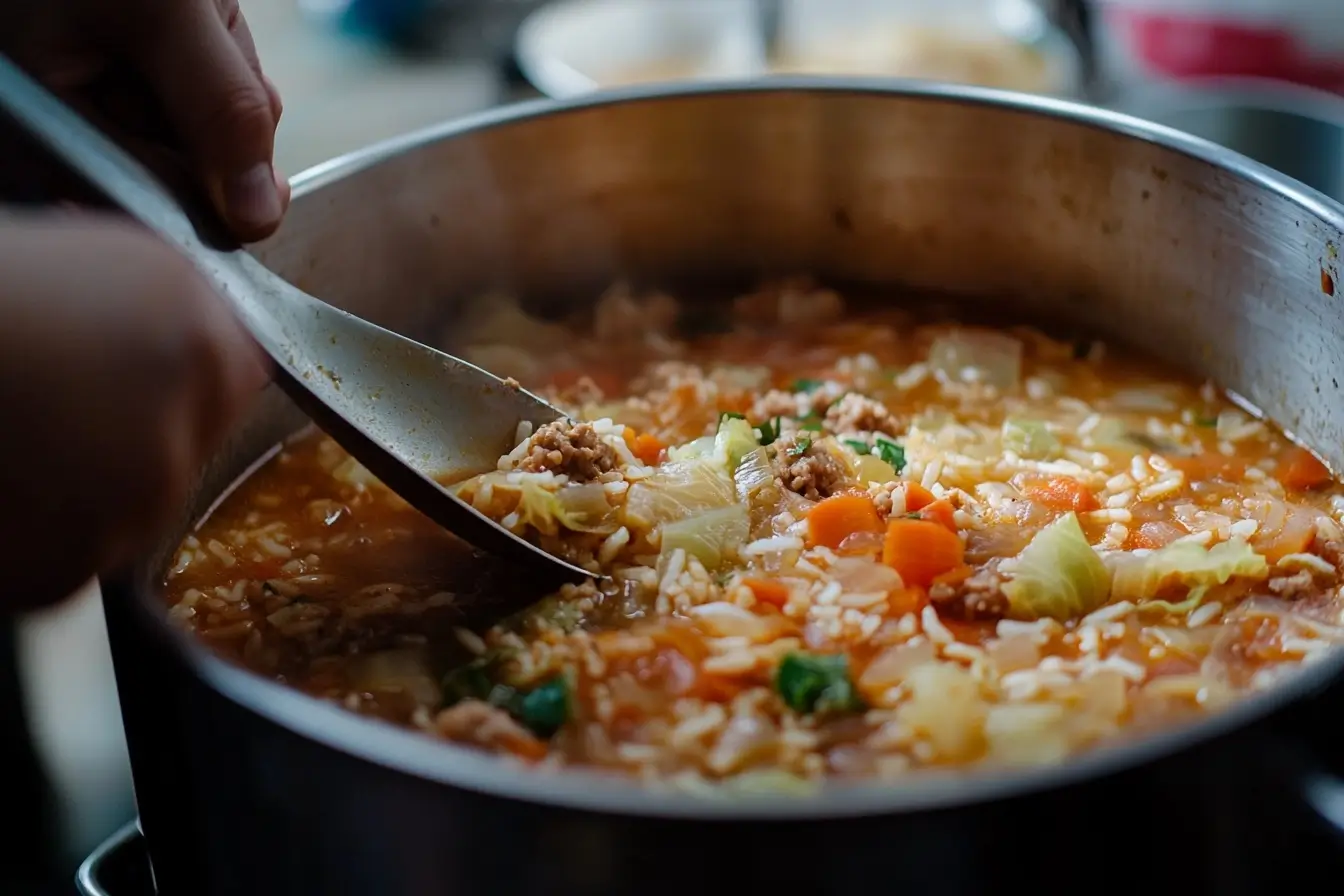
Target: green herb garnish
859	447
730	415
807	385
890	452
545	709
799	448
817	684
768	431
470	681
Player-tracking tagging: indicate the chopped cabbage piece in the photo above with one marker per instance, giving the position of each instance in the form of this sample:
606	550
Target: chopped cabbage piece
983	356
1187	563
734	440
712	537
752	475
679	489
1182	608
1058	574
700	448
864	463
578	508
1029	438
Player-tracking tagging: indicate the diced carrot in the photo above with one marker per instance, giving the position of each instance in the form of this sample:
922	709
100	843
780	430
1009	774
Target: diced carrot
907	600
921	550
523	745
939	512
768	591
917	497
648	448
1293	537
1300	470
840	516
954	576
1210	465
1061	493
1153	535
718	688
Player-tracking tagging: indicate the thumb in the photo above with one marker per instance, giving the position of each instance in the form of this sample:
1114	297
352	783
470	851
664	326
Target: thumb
220	108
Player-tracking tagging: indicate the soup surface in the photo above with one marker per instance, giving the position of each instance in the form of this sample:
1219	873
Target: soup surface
838	544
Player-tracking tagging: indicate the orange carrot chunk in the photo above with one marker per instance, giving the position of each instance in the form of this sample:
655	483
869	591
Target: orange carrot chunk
648	448
917	497
908	600
840	516
1061	493
939	512
768	591
921	550
954	576
1300	470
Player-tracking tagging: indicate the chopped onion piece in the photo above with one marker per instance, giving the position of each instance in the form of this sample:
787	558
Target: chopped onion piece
983	356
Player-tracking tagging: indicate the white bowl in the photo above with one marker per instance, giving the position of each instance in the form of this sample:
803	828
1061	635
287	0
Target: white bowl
571	47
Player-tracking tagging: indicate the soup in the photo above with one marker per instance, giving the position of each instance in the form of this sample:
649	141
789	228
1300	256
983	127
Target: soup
835	543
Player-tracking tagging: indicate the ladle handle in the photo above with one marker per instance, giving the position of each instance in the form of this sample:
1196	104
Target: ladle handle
103	163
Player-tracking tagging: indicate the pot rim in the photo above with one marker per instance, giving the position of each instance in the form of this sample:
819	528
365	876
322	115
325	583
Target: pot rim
1242	94
415	754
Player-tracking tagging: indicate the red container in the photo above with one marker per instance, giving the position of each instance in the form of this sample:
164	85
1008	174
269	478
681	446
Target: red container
1299	41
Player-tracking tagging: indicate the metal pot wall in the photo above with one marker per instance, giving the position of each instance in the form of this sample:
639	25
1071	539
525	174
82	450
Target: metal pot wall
1292	129
1146	236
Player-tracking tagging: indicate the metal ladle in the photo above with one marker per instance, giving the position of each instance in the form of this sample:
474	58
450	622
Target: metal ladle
410	414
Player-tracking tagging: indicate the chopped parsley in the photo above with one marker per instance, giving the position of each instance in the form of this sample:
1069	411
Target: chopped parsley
814	683
730	415
799	448
768	430
807	385
890	452
859	447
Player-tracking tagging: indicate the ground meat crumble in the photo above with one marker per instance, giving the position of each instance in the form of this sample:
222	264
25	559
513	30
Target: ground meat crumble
856	413
978	597
807	468
479	723
574	449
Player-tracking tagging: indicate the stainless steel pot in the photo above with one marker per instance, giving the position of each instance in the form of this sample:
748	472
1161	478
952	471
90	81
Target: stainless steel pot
1295	130
1075	214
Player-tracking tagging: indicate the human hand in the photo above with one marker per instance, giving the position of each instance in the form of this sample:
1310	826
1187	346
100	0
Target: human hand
120	370
176	81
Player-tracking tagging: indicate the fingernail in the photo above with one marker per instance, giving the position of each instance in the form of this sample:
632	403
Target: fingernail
252	198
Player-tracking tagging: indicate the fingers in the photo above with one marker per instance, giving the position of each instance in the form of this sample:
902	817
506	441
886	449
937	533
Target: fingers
242	35
127	369
200	62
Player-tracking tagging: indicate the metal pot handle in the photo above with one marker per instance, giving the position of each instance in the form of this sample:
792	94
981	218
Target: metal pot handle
1304	771
118	866
1323	791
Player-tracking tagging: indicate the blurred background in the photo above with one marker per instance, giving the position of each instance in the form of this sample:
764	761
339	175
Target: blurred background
1263	76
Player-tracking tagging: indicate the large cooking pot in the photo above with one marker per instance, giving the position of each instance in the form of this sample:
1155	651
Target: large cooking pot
1146	236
